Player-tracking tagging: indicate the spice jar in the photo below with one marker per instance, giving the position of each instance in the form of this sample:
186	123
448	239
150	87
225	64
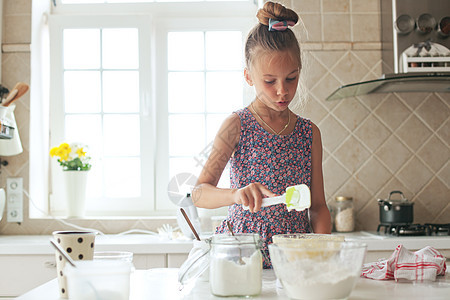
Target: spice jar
344	219
235	265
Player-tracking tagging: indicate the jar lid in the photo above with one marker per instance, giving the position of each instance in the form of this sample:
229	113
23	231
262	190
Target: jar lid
195	265
236	239
342	198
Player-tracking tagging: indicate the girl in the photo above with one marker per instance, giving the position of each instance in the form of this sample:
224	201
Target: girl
268	146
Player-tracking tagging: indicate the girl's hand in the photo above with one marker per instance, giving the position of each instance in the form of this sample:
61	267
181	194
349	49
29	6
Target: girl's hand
252	195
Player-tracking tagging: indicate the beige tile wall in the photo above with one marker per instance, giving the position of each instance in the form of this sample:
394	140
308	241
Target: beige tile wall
372	144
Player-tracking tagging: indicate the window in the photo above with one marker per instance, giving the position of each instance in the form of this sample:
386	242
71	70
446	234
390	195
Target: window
204	85
146	91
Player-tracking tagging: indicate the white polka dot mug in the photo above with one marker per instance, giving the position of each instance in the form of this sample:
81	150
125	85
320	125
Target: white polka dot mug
79	245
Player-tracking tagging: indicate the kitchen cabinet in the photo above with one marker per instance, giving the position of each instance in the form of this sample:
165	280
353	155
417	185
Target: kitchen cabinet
19	273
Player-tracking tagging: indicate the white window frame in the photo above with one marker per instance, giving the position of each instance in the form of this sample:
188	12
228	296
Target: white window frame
131	206
154	21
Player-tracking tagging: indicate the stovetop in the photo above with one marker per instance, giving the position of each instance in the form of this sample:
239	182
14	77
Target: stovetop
427	229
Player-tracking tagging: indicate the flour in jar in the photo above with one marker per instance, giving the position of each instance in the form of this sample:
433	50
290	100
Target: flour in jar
229	278
313	280
344	220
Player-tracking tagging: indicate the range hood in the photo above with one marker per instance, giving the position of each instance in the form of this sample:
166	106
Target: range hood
411	31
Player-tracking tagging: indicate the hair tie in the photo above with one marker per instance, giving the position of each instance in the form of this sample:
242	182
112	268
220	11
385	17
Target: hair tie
279	25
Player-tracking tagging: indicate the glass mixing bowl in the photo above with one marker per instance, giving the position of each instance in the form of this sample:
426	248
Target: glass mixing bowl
317	269
293	238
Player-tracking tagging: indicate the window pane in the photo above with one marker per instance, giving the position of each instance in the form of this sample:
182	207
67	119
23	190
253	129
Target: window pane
120	48
121	135
224	91
185	51
183	165
223	50
82	91
186	92
186	135
122	177
121	91
81	48
85	129
95	179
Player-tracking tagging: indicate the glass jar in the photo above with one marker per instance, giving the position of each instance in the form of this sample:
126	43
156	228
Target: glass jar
344	218
196	266
235	265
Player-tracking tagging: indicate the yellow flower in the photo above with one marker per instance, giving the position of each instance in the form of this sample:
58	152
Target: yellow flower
65	146
64	156
80	152
72	156
62	151
53	151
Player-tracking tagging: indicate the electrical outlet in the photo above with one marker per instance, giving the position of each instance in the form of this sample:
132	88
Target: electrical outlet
14	199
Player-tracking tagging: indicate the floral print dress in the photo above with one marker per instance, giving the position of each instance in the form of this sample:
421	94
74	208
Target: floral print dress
277	162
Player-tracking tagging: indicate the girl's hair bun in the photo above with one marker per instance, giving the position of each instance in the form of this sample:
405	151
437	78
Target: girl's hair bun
275	11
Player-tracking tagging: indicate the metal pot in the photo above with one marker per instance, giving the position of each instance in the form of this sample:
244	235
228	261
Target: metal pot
396	211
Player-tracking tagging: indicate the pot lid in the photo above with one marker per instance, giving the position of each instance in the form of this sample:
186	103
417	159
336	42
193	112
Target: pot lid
396	202
402	201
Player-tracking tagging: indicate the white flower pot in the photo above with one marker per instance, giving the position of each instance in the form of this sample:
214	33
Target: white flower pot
75	185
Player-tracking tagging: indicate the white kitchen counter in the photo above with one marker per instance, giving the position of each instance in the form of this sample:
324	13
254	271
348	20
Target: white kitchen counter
162	284
23	256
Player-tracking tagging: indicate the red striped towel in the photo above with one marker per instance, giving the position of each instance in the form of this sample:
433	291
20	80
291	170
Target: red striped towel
422	265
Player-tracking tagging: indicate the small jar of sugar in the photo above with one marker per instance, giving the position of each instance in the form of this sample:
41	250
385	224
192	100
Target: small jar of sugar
344	218
235	265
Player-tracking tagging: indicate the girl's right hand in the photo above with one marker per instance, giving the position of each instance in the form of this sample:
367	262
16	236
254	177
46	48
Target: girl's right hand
252	195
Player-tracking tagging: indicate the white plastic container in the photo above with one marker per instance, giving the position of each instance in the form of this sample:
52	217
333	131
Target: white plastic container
99	279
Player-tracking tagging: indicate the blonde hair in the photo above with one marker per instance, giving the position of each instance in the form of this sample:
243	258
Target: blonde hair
261	41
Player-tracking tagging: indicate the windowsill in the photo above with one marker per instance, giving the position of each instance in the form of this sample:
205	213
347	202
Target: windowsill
109	218
104	225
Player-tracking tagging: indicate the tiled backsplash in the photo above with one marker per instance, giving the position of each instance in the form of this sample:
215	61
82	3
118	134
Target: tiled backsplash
372	144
